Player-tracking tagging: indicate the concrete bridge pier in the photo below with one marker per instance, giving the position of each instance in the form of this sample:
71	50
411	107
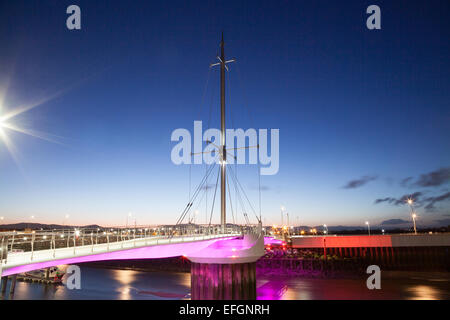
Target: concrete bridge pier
211	281
226	270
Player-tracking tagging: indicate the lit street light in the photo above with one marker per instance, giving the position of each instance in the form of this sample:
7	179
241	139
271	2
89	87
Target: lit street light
128	216
414	221
410	202
196	212
65	221
32	218
282	210
368	226
325	227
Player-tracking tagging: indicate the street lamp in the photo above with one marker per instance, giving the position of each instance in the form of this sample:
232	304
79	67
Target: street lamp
382	231
410	202
282	210
287	218
414	221
325	227
128	216
32	218
368	226
195	214
66	218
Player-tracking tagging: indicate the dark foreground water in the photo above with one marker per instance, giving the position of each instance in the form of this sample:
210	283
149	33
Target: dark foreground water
127	284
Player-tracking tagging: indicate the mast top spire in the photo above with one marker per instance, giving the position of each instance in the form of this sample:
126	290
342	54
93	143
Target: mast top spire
223	66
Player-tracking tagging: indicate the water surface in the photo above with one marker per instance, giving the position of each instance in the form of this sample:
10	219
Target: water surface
111	284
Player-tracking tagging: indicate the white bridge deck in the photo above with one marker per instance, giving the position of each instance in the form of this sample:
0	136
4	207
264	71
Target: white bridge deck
139	248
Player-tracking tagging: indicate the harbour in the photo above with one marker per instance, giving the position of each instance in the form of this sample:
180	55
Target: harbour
117	284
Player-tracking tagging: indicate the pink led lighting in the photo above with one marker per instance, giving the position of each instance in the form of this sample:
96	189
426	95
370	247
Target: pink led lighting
151	252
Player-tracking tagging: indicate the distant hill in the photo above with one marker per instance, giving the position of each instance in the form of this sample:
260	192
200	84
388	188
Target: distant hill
39	226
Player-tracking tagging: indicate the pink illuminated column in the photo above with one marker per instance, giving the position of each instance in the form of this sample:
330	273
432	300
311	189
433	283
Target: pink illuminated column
223	281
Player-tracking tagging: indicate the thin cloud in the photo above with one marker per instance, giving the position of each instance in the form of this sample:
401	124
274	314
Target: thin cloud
433	200
434	178
405	182
402	200
353	184
429	203
443	222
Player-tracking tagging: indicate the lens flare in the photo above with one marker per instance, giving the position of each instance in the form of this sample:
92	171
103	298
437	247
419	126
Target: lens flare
7	124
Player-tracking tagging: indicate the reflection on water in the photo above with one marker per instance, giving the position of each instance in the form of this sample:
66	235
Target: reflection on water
394	285
97	284
128	284
125	278
423	293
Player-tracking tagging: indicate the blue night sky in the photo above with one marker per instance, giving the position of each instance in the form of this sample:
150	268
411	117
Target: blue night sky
363	115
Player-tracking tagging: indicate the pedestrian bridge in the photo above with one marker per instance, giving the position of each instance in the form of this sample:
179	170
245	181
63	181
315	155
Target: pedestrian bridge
23	252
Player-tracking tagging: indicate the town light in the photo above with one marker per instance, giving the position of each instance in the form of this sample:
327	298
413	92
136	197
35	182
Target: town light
368	226
414	221
410	202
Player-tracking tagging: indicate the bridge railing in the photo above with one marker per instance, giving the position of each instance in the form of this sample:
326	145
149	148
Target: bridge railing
37	240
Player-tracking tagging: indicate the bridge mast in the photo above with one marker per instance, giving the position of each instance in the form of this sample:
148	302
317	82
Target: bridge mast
223	199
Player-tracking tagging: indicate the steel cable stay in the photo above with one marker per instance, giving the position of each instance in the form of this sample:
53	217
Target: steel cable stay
190	200
244	96
240	200
243	191
245	147
231	203
222	152
194	196
214	198
259	189
205	193
202	101
210	107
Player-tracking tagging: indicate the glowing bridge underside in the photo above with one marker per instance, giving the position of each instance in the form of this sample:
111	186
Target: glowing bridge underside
144	248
